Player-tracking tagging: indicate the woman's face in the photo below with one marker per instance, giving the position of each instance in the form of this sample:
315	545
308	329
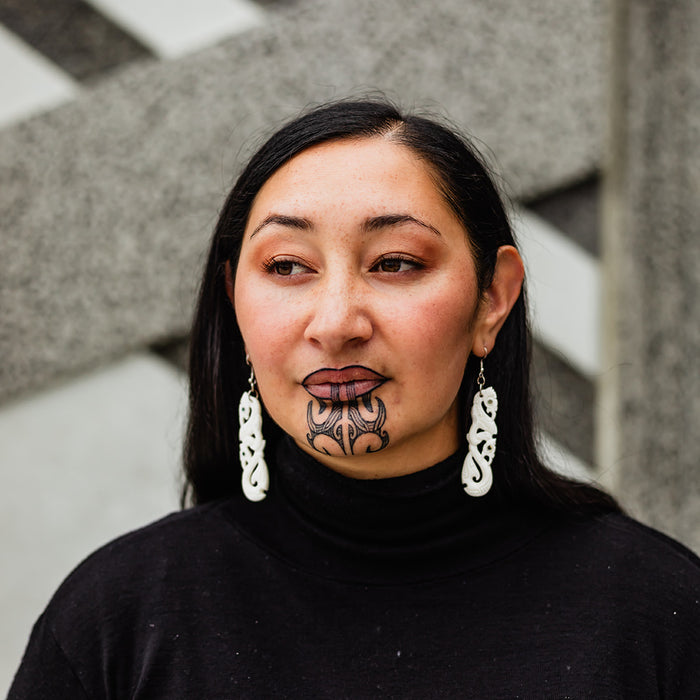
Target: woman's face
357	300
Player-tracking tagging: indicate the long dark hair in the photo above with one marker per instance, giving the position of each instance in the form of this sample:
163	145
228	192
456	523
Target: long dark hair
218	373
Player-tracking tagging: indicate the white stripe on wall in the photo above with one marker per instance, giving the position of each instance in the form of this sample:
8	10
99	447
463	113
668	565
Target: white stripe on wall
564	292
172	28
558	458
29	83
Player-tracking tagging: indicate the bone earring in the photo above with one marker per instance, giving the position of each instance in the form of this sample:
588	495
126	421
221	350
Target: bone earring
256	479
476	472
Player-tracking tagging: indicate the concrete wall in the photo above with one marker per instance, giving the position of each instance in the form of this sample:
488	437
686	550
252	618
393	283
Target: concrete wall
106	202
650	400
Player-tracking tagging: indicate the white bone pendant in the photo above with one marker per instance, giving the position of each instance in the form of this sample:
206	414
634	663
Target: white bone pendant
255	479
476	472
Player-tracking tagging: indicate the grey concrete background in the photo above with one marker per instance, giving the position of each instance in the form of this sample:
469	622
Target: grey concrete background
106	203
650	413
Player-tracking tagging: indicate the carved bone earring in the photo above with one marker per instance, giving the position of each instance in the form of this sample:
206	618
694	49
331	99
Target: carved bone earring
256	479
476	472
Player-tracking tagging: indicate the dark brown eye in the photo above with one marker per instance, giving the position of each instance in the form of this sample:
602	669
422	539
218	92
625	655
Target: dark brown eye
396	264
285	268
391	265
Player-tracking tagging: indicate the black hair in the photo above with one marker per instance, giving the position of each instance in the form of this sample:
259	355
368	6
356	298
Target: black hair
218	372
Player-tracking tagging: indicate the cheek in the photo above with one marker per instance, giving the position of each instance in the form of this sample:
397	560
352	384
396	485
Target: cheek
438	331
266	333
261	323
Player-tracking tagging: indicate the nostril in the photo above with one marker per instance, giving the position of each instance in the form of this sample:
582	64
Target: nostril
337	324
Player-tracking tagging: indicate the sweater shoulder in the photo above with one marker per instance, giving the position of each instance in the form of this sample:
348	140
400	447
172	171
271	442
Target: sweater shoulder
622	559
642	545
138	559
178	527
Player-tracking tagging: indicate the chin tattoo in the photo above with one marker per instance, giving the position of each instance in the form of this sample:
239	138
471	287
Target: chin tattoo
350	427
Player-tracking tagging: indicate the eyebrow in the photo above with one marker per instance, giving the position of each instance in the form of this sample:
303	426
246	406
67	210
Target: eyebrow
386	220
297	222
373	223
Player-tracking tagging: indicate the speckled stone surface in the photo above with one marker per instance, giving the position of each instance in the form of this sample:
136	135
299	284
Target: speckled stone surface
650	418
72	34
107	203
574	210
564	402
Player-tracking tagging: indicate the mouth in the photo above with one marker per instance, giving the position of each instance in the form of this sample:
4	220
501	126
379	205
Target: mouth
346	384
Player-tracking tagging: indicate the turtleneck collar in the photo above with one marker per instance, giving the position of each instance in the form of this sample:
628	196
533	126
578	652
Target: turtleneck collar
393	511
414	526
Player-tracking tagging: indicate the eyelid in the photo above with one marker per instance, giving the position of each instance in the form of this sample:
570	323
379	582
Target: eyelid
403	257
270	263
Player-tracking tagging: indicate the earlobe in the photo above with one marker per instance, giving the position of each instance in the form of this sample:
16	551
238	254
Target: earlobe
499	298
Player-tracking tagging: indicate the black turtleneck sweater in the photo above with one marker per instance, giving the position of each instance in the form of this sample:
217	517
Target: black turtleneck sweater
397	588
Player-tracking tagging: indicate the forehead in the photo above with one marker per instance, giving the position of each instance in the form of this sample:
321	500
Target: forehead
375	171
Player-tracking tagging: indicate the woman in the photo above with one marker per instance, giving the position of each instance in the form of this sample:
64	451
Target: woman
394	533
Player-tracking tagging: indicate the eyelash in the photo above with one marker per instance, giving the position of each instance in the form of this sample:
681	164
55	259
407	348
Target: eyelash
271	265
392	257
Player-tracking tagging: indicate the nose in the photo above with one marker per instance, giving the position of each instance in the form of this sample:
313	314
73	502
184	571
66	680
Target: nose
340	314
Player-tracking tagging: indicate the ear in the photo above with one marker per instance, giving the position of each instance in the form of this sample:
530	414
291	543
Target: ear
229	281
499	298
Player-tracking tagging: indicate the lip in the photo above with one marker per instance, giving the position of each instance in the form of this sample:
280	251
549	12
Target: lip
345	384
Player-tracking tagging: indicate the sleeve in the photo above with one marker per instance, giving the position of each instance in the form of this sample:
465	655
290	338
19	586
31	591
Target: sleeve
45	673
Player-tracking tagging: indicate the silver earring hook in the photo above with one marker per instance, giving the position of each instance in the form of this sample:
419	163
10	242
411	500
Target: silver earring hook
251	379
481	379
